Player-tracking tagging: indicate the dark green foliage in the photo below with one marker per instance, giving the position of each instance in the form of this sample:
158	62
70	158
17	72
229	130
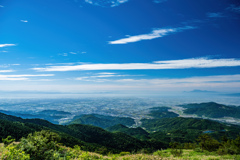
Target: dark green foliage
161	112
230	146
212	110
102	121
17	129
138	132
160	136
118	141
206	142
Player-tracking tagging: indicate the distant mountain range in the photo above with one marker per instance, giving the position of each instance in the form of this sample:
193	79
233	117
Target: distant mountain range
200	91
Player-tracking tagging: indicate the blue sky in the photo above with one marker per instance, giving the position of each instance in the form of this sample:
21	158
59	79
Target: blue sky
120	46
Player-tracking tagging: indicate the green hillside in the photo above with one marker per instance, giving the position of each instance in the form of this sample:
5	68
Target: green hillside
161	112
138	132
188	129
53	116
102	121
212	110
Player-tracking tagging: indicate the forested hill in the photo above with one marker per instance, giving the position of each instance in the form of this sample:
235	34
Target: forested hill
102	121
161	112
188	129
212	110
138	132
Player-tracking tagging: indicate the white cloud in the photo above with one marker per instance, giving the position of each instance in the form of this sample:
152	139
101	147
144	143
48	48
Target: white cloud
215	15
99	77
24	21
1	6
106	73
63	54
171	64
67	53
156	33
7	45
22	77
6	71
106	3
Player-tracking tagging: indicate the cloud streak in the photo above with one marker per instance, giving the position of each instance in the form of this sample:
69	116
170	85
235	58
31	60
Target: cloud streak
200	79
106	3
156	33
234	8
7	45
24	21
6	71
22	77
215	15
171	64
159	1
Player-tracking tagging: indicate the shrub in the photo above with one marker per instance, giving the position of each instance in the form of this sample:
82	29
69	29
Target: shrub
13	153
7	140
41	145
176	149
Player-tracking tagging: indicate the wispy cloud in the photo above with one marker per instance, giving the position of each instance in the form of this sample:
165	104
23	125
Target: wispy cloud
106	3
234	8
99	77
70	53
156	33
6	71
24	21
171	64
1	6
200	79
217	83
215	15
7	45
107	73
159	1
8	65
63	54
22	77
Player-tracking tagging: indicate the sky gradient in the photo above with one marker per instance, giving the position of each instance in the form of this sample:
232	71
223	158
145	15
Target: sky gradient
120	46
